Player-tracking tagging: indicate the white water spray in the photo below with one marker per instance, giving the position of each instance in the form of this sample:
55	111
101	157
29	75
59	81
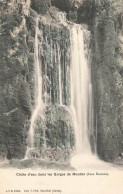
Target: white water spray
79	89
81	102
38	88
81	93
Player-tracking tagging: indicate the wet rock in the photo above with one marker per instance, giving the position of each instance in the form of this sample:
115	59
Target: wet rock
17	76
33	153
40	6
107	80
66	5
15	103
54	133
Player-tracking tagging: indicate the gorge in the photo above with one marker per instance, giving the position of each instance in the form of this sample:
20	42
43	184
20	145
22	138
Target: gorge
61	79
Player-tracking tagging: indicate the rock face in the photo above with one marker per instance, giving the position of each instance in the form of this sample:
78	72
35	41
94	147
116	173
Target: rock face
17	37
108	89
14	86
67	5
18	79
54	134
40	6
107	68
55	57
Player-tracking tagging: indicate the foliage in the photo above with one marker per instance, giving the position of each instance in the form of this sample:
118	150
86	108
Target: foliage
109	7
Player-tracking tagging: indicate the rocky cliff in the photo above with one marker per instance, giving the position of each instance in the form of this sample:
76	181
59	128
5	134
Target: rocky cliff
14	79
107	69
104	19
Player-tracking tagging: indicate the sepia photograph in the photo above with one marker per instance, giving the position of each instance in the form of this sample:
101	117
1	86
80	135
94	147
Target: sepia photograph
61	96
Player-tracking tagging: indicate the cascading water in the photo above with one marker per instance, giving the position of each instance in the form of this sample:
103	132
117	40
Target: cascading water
81	87
42	98
81	103
81	99
79	90
38	90
50	75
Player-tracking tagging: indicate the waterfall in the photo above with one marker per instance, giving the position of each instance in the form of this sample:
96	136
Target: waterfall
81	100
79	89
38	88
80	84
62	75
